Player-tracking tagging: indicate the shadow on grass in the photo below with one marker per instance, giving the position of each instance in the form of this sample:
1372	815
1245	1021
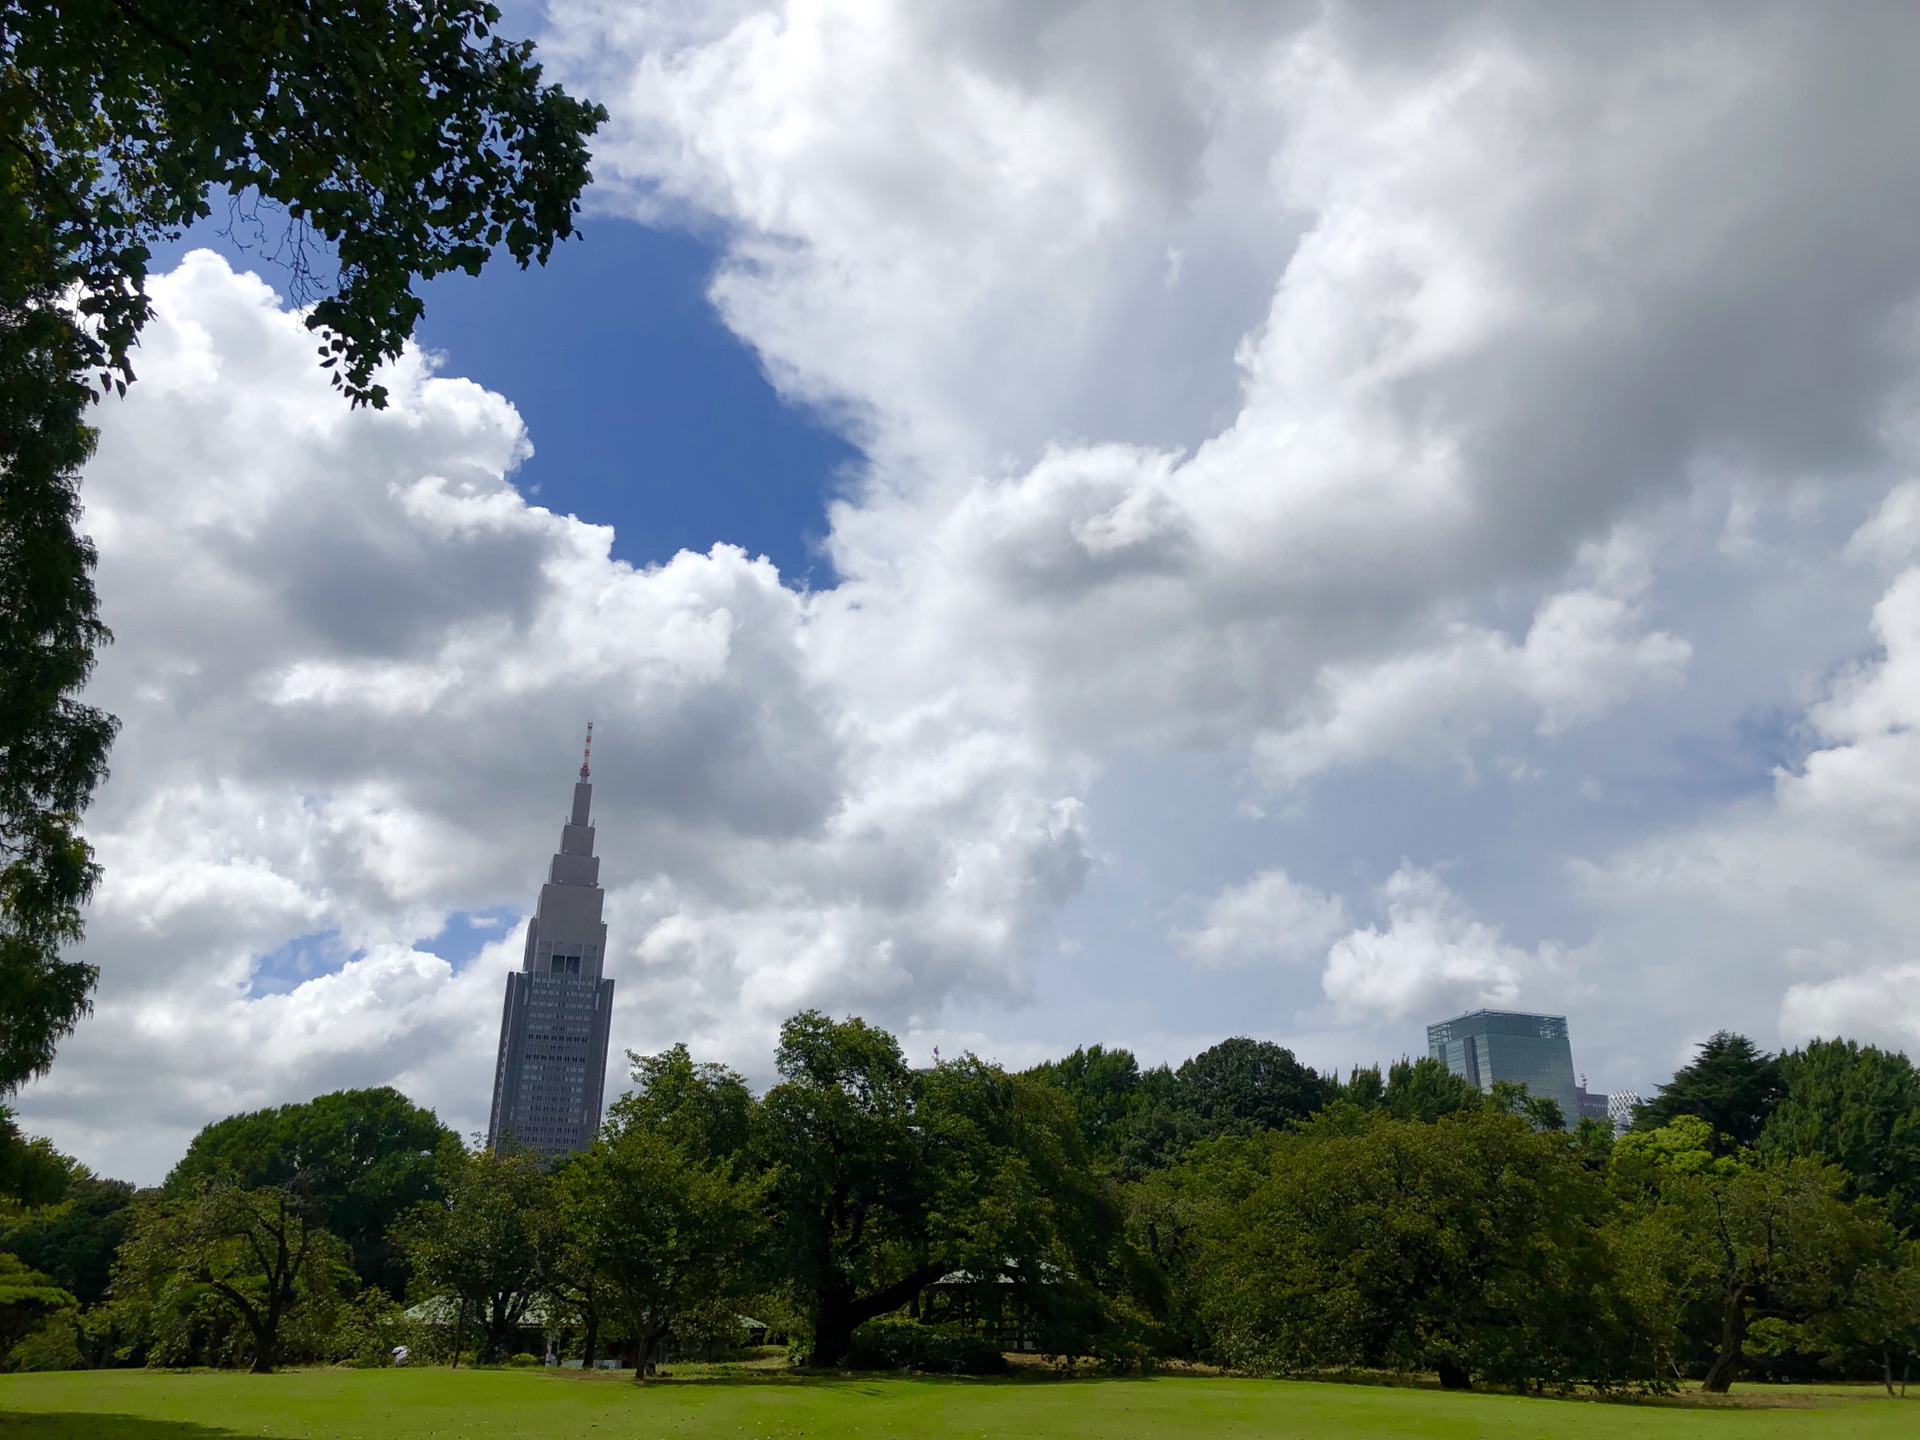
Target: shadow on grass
1749	1395
798	1378
90	1425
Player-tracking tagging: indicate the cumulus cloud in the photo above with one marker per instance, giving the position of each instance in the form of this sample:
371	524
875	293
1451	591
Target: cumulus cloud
1802	900
1460	306
1432	959
1270	917
1875	1004
1584	652
1497	290
1313	386
352	663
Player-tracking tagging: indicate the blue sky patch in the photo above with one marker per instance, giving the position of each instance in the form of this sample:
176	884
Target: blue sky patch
467	932
286	968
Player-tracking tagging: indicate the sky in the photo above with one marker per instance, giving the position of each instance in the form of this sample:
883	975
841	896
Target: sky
1073	523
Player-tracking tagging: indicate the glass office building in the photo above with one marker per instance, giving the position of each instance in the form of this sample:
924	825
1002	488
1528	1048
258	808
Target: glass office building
1531	1050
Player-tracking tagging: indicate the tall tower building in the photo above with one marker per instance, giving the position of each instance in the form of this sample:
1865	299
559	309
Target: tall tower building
1490	1045
548	1085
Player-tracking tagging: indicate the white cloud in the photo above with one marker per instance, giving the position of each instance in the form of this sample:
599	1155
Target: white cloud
1444	343
1465	299
352	663
1870	1005
1270	917
1432	959
1584	652
1796	912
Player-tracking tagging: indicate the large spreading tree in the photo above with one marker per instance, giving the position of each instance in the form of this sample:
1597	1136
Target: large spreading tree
259	1256
358	1159
394	140
886	1179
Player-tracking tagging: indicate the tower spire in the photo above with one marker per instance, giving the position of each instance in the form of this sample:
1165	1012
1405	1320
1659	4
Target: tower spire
550	1077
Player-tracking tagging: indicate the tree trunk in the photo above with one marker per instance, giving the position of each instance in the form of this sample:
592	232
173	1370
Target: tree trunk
264	1328
500	1332
590	1341
837	1315
832	1333
1733	1334
1454	1375
648	1345
266	1346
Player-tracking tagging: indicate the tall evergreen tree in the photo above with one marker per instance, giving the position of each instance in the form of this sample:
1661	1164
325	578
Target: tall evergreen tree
1731	1084
53	748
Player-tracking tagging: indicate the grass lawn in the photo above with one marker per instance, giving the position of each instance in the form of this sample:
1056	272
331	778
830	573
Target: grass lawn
433	1404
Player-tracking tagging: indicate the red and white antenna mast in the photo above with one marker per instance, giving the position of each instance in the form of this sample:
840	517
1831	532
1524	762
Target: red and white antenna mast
586	757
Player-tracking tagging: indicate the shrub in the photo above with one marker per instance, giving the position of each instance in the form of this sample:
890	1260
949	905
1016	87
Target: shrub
933	1349
367	1328
54	1344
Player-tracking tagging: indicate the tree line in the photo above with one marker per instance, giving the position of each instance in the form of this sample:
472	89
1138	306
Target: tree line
1761	1220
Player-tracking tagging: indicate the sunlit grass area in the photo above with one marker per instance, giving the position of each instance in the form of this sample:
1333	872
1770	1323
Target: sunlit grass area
455	1404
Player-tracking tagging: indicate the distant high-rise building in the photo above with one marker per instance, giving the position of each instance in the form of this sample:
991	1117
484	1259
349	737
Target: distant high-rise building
1593	1103
1620	1107
1491	1045
547	1087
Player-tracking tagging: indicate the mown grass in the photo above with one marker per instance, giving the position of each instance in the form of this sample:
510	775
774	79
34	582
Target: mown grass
435	1404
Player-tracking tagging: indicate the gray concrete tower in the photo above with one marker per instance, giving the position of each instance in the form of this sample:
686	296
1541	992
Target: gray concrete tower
552	1071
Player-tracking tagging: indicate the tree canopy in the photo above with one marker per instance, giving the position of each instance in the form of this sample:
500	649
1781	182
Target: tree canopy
854	1189
1141	1120
1464	1246
1857	1107
887	1179
406	138
358	1158
74	1239
663	1213
1731	1243
257	1255
489	1241
1731	1084
1243	1085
